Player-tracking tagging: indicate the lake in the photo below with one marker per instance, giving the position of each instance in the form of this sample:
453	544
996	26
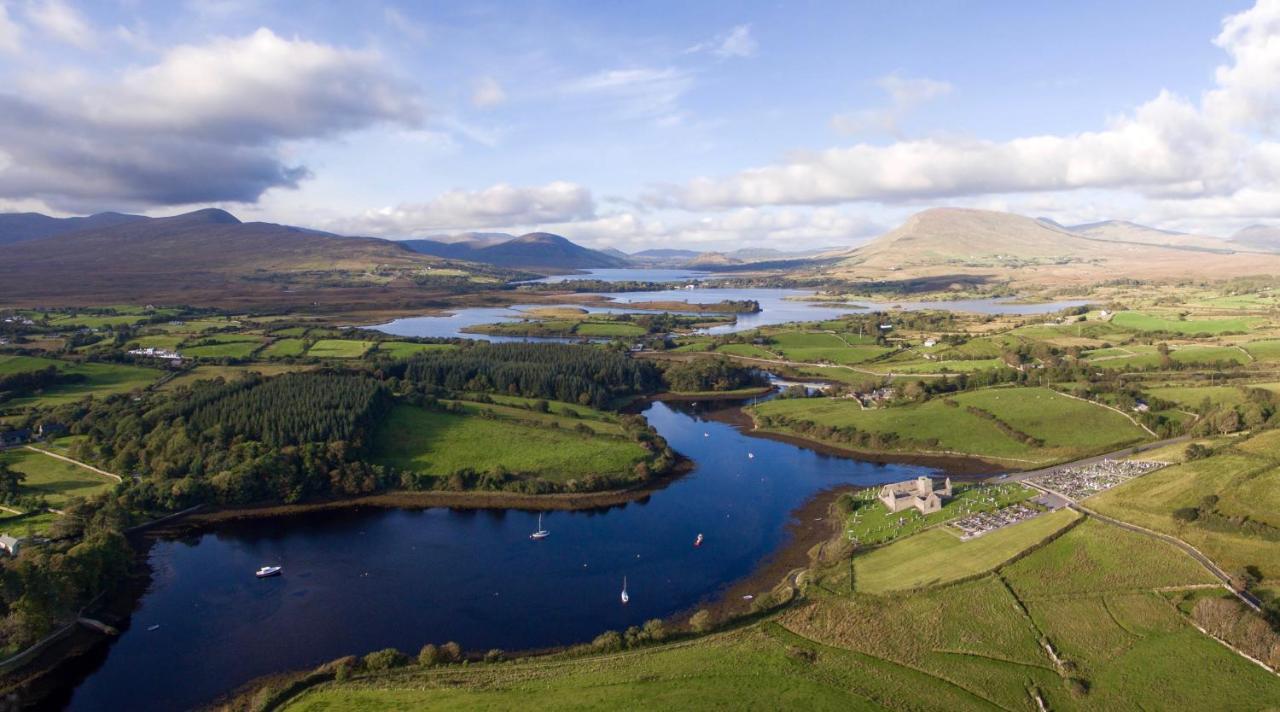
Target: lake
357	580
777	306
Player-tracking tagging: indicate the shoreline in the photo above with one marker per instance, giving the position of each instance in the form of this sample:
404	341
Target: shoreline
955	465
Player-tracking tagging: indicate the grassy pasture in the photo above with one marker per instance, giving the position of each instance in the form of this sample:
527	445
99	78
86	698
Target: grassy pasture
938	556
101	379
229	373
440	443
281	348
608	329
54	479
339	348
748	350
816	346
223	349
1069	427
1140	321
405	349
1095	557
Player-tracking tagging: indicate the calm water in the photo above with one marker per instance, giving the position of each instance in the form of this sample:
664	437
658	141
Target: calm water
361	580
630	275
777	306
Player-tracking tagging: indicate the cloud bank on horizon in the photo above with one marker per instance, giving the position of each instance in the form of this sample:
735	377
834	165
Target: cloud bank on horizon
713	126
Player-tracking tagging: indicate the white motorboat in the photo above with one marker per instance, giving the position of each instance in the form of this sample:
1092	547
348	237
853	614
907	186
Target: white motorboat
625	598
268	571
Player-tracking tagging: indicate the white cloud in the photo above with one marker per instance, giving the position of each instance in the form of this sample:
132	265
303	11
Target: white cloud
61	21
487	93
1169	148
10	33
636	93
737	42
205	123
396	19
905	95
783	229
500	205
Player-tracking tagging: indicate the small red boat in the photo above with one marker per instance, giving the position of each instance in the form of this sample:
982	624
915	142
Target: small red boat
697	542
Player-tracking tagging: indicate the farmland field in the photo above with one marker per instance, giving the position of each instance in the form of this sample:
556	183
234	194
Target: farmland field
938	556
281	348
1068	427
339	348
440	443
1139	321
405	349
101	379
610	329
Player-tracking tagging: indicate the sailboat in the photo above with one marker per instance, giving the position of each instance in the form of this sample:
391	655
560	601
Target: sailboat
625	598
540	533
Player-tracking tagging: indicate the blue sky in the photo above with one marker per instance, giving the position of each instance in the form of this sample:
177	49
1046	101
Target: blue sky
712	125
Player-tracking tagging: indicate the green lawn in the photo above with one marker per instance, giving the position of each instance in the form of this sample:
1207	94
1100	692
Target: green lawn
54	479
439	444
1139	321
938	556
339	348
405	349
1070	428
21	525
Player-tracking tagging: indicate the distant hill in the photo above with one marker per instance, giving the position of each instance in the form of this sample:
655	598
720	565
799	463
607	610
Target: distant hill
536	250
1258	237
207	256
1007	247
18	227
1124	231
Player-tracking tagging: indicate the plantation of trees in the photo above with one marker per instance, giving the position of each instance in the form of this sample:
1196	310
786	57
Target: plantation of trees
563	372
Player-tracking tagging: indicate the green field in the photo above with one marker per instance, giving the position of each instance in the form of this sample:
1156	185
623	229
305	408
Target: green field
749	350
54	479
224	348
1139	321
21	525
339	348
405	349
211	371
101	379
938	555
436	443
608	328
1070	428
282	348
1245	478
1095	557
814	346
1266	350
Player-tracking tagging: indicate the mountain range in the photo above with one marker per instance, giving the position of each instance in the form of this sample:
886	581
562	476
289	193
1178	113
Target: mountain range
115	257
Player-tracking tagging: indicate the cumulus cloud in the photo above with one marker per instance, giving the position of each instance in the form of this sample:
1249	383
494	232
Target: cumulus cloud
767	227
61	22
905	95
205	123
737	42
1167	148
487	93
500	205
